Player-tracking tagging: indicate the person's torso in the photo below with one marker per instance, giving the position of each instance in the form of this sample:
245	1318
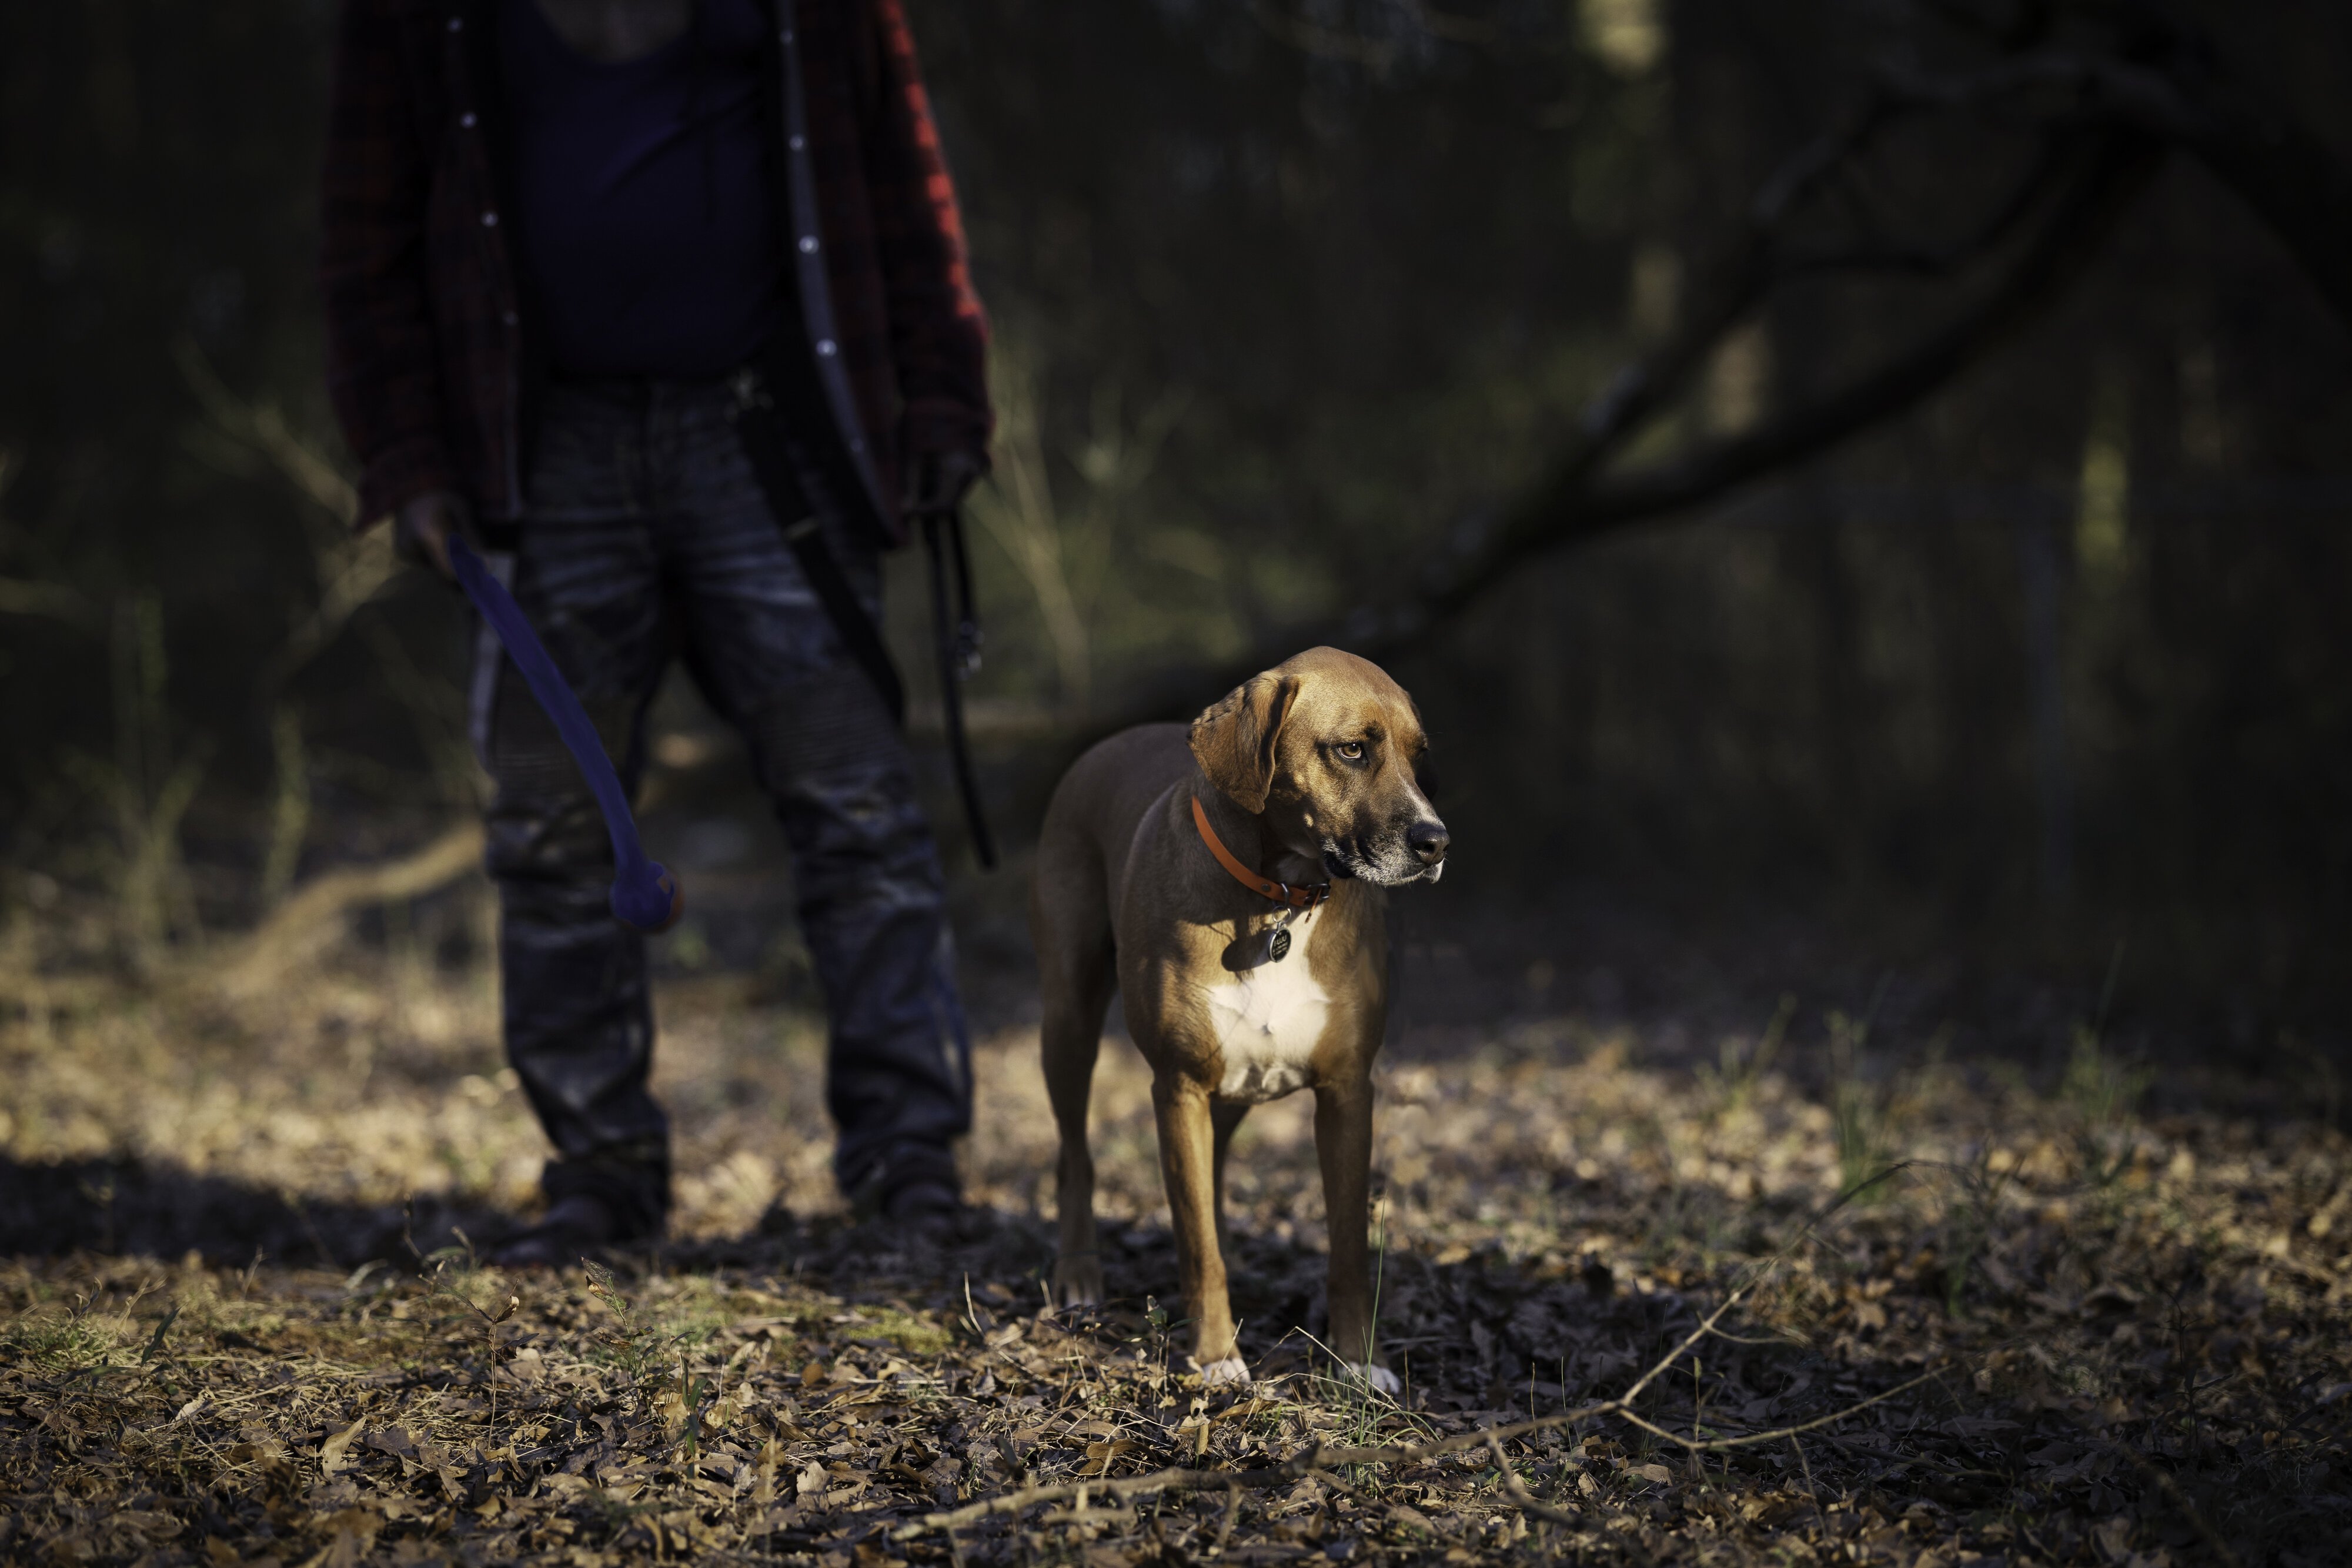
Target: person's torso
646	224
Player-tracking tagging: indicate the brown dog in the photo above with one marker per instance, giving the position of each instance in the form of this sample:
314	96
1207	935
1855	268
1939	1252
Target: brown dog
1230	888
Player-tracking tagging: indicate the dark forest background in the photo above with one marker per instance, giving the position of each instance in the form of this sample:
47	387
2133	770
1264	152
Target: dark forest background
1294	301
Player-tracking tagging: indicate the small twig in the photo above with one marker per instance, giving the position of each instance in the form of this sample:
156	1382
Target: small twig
1706	1327
1744	1439
435	1286
1518	1492
1225	1525
1812	1491
1780	1340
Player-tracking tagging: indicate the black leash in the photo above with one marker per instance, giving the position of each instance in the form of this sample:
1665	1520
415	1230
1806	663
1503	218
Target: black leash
958	650
958	636
771	462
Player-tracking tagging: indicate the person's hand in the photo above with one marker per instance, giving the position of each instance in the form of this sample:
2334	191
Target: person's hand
420	528
936	481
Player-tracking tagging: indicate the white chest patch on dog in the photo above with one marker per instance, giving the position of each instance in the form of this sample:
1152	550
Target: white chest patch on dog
1268	1019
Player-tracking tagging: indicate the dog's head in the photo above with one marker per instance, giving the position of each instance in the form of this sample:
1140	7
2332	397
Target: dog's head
1323	747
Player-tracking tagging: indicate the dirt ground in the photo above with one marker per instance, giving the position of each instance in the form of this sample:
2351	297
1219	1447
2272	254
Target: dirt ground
242	1319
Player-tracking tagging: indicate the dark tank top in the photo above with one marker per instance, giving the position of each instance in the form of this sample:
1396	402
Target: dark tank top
645	222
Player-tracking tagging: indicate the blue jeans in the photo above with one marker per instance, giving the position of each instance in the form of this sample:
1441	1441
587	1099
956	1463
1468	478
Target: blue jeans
648	537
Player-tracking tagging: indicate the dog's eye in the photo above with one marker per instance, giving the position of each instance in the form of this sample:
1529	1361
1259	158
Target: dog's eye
1353	750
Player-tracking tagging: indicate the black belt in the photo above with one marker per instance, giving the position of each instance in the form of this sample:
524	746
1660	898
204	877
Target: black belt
956	634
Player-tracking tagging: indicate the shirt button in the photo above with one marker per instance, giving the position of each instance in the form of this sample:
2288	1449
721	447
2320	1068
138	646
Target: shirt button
808	245
467	120
507	317
797	142
858	444
825	347
489	220
457	24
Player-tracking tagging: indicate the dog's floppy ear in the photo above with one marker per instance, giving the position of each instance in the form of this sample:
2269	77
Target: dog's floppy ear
1234	739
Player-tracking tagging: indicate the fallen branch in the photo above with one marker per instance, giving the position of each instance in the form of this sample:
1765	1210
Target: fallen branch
312	918
1306	1464
1522	1498
1319	1458
1303	1465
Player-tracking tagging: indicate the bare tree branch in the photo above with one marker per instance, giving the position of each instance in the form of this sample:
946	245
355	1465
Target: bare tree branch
1568	509
1913	259
2108	121
2171	86
313	917
2093	183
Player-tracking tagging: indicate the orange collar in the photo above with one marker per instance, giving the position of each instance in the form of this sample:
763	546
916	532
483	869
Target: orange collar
1305	897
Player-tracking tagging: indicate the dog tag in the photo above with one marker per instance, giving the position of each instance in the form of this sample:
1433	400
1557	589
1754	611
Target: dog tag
1246	952
1267	946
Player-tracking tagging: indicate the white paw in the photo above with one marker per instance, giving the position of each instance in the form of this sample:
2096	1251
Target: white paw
1230	1372
1376	1376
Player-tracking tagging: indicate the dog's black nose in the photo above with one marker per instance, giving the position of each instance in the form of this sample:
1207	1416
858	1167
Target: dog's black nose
1427	841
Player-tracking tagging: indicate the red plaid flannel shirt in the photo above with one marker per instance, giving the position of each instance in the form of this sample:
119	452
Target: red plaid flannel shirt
426	347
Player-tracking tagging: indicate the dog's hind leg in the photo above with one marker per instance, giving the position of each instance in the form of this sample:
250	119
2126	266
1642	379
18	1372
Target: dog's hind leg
1224	1115
1070	919
1072	1038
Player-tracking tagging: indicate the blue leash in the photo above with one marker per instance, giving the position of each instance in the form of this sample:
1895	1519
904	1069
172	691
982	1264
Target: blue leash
644	894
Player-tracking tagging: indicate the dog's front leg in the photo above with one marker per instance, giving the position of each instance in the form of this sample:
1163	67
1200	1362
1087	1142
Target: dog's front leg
1343	1147
1188	1164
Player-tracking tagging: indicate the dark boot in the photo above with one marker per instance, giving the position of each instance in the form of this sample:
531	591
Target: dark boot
912	1194
573	1229
593	1206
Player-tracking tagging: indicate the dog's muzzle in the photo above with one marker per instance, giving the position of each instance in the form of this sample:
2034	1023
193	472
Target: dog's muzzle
1395	859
